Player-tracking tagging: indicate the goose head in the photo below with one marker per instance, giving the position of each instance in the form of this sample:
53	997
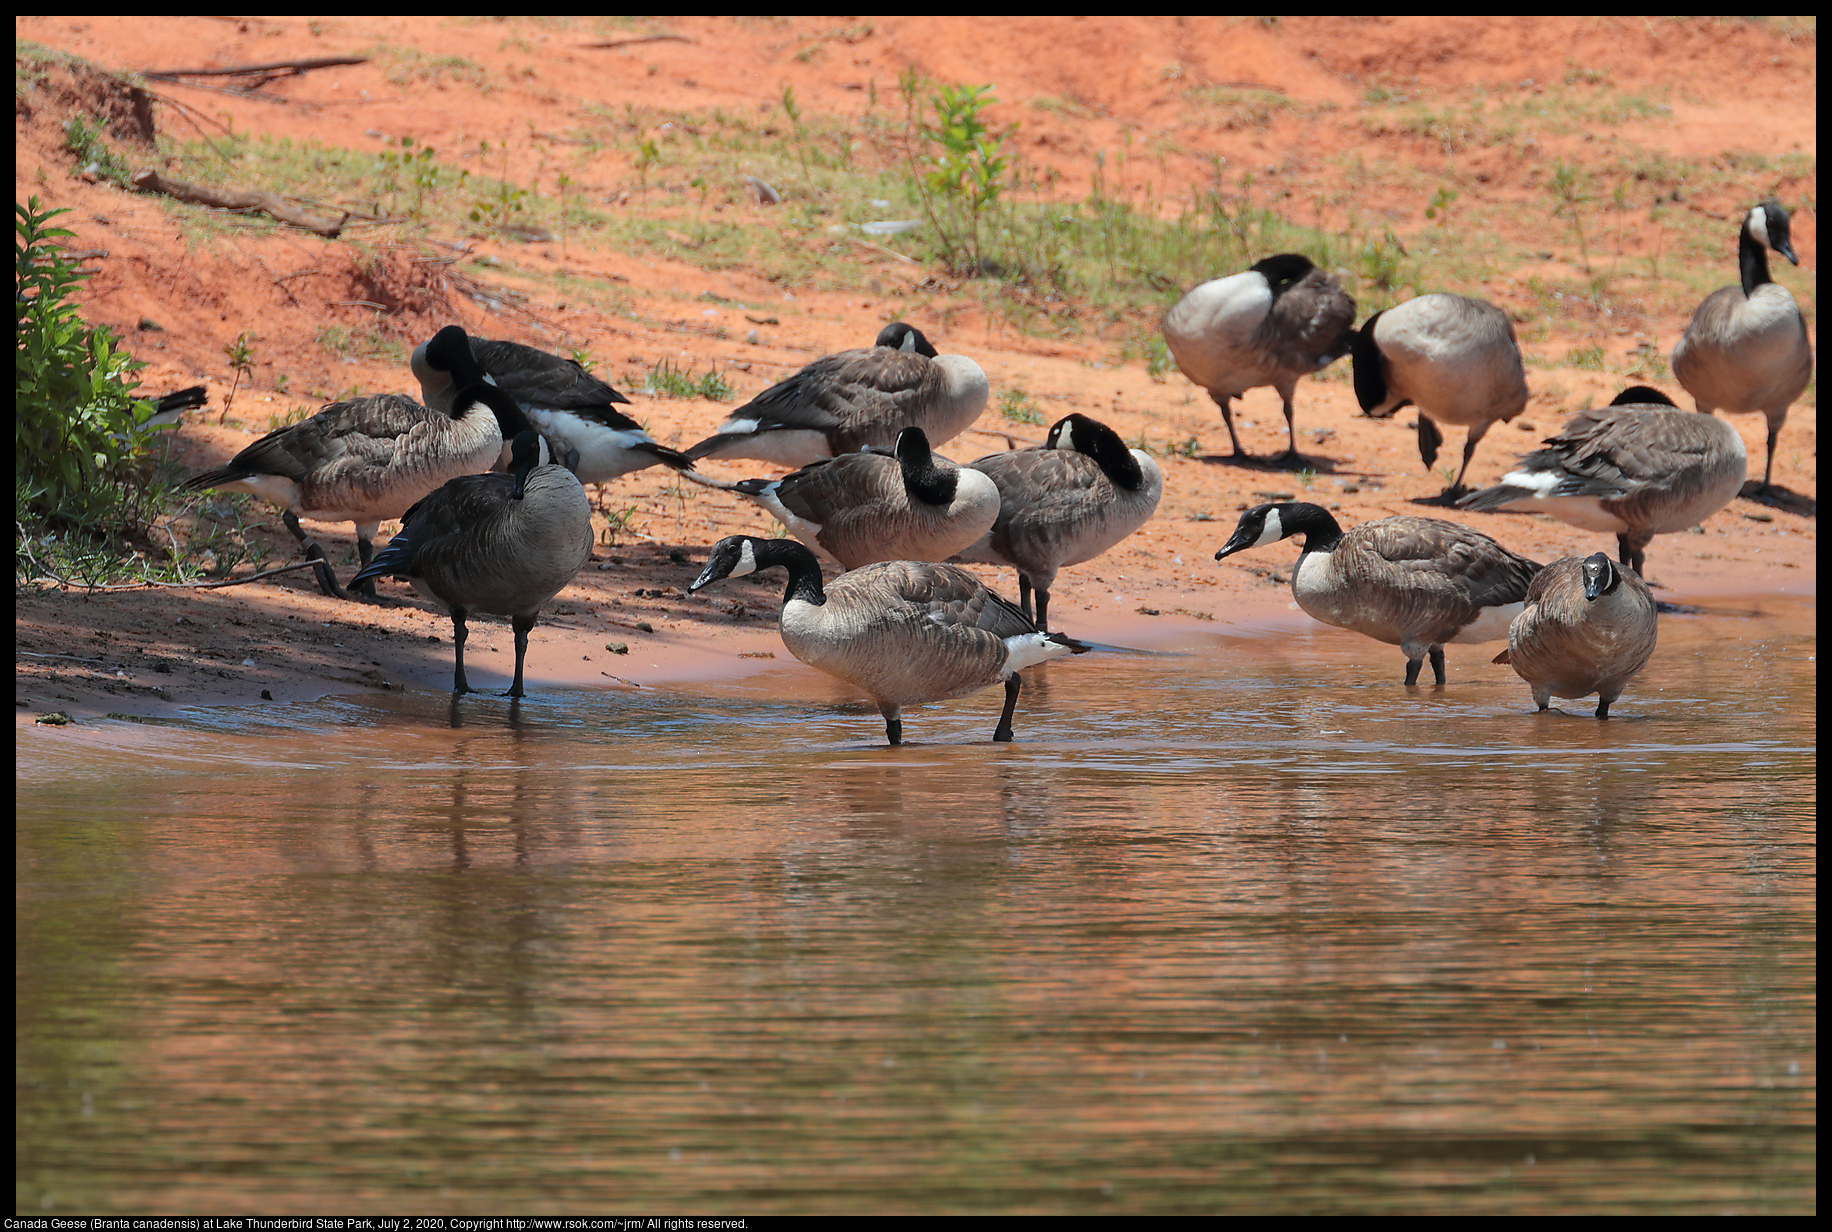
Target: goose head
445	360
1284	271
1601	576
1265	524
732	556
1642	395
1083	435
901	337
1369	375
1767	224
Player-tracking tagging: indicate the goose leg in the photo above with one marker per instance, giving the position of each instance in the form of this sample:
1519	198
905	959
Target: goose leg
1227	419
1603	706
1437	664
1043	608
1291	459
1476	434
1768	468
365	550
1002	733
459	633
1632	552
521	625
893	724
327	581
1024	589
1412	669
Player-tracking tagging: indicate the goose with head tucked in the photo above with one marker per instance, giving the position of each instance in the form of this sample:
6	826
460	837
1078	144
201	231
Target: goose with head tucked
1416	583
1281	320
904	632
843	402
1454	358
909	504
366	461
1746	347
569	406
1636	468
1064	503
500	542
1588	627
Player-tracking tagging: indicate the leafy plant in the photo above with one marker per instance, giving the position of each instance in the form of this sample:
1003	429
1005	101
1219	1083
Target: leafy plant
79	432
86	139
959	173
1016	404
241	358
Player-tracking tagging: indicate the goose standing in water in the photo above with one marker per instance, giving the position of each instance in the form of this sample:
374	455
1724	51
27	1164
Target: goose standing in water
1455	358
1270	325
1746	347
848	400
499	542
366	461
569	406
903	631
1064	503
1636	468
1415	583
858	508
1588	627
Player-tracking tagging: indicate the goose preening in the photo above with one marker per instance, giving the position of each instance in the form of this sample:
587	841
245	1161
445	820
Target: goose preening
1746	347
1588	627
1270	325
1454	358
843	402
499	542
1636	468
862	507
366	461
1416	583
566	404
1068	501
903	631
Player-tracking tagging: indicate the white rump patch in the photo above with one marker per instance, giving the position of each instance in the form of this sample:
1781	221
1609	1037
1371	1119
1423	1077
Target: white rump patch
1490	625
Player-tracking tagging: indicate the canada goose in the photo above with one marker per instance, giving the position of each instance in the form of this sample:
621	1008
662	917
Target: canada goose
842	402
170	408
1417	583
367	460
1746	347
869	506
1638	467
1278	321
496	542
1588	627
1454	358
903	631
565	403
1070	500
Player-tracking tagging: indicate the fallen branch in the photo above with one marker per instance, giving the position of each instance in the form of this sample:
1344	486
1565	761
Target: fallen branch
279	68
145	583
232	199
631	42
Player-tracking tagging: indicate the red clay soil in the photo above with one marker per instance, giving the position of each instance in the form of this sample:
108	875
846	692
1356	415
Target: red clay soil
1117	83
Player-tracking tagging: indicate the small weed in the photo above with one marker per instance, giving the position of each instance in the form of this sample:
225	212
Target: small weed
86	139
1568	188
1158	361
1589	358
1185	450
1016	404
616	524
667	381
1440	202
1308	476
241	358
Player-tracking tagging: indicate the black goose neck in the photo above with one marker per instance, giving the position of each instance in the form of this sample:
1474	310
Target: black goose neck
1752	261
803	569
509	417
1320	529
1364	366
922	478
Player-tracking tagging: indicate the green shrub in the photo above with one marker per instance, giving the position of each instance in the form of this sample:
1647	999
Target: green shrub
79	431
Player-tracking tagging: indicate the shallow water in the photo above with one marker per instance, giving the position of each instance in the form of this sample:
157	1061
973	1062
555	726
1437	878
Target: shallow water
1247	928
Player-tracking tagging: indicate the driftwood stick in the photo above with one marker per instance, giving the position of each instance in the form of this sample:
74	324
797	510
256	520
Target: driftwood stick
631	42
233	199
290	66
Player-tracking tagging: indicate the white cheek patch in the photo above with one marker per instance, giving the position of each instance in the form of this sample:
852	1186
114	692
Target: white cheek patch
908	343
1758	223
1273	531
747	561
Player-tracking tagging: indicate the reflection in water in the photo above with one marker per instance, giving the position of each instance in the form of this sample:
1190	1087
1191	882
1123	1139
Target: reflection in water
1245	930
